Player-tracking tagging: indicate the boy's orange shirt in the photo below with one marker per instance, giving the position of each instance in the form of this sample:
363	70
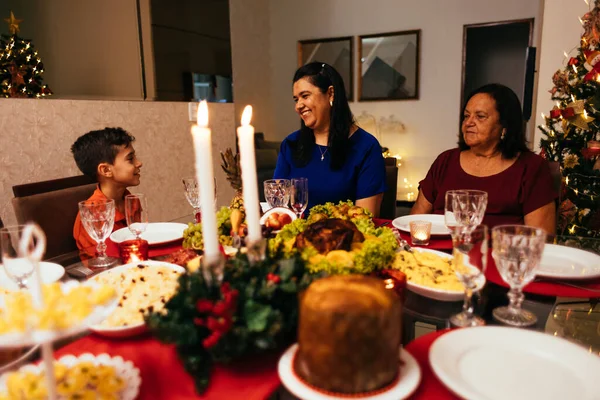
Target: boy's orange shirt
82	238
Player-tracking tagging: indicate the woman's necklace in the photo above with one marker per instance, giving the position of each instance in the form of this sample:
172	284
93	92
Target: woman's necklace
322	152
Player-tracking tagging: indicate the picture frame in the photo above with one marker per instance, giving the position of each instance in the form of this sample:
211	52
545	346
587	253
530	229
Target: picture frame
388	66
337	52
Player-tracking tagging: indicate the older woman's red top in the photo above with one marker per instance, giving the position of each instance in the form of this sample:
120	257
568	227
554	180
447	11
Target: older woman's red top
520	189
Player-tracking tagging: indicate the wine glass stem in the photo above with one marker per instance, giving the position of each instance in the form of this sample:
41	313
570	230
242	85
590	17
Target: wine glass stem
515	297
197	215
468	304
101	249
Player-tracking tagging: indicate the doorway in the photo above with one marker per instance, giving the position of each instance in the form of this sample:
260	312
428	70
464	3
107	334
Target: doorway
499	52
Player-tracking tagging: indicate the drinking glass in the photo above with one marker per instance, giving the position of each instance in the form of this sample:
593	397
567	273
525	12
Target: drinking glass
517	250
469	207
299	195
277	192
470	250
98	218
16	264
449	219
192	194
136	213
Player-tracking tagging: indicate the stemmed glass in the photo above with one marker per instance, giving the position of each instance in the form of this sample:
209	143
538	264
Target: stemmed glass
136	213
98	218
192	194
17	267
469	207
277	192
517	250
449	219
299	195
470	251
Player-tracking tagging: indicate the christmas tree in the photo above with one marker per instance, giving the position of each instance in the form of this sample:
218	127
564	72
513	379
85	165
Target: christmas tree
21	68
572	135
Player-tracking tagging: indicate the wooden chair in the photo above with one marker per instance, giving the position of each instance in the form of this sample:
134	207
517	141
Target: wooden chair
53	206
388	204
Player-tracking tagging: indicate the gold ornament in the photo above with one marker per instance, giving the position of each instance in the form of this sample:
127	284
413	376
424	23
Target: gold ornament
580	118
571	161
13	24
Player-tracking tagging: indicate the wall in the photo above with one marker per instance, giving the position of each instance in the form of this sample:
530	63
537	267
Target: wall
431	122
251	59
561	33
37	136
90	49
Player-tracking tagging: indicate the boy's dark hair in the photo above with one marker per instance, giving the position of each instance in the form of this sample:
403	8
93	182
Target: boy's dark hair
96	147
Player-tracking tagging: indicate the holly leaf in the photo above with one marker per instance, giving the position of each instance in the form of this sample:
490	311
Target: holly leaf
286	269
256	316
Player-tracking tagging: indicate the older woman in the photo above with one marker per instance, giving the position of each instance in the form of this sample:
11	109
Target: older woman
340	160
492	156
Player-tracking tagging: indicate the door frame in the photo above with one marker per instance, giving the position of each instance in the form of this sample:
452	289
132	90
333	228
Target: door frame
530	21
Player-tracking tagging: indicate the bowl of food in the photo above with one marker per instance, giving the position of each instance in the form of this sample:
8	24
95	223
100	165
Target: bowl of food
276	218
142	287
430	273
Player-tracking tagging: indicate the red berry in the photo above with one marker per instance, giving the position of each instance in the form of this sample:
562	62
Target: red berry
204	306
211	340
212	324
199	322
225	324
225	287
221	308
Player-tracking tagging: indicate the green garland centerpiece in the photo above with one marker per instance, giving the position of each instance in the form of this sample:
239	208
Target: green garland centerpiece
192	235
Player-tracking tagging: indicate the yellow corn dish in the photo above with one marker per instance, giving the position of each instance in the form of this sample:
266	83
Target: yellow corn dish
428	269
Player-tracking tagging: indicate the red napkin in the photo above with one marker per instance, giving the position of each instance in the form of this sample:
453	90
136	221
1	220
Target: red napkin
554	289
112	248
430	386
163	375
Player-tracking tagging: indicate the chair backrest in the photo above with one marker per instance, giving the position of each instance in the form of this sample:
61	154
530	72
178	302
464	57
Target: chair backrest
388	204
53	206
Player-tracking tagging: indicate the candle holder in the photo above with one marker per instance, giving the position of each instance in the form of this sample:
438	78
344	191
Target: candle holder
420	232
257	250
131	251
212	269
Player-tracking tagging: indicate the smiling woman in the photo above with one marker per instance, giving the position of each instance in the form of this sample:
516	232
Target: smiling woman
340	160
492	156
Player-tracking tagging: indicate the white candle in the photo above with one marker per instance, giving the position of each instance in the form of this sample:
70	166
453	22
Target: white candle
205	176
249	180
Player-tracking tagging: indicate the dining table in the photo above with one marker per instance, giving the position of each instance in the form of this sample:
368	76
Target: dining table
564	309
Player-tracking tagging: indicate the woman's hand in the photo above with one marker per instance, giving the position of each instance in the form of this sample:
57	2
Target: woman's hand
422	205
544	217
373	204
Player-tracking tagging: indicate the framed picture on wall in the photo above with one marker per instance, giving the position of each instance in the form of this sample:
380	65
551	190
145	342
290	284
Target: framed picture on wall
388	67
336	52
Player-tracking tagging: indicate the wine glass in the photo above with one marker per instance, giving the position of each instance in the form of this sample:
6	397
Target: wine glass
98	218
16	265
469	207
449	219
136	213
192	194
470	251
517	250
299	195
277	192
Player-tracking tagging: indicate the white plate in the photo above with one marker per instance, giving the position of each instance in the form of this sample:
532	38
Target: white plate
438	226
410	376
156	233
568	263
124	369
130	330
440	294
509	363
50	272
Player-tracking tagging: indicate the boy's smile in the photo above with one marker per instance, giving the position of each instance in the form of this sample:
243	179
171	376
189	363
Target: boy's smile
126	168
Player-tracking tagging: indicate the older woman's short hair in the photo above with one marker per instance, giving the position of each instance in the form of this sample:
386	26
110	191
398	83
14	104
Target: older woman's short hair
511	119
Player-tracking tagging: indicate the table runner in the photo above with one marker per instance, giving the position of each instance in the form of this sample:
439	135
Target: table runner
163	375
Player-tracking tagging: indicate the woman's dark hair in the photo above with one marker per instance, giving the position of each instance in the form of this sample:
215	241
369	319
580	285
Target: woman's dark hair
323	76
511	119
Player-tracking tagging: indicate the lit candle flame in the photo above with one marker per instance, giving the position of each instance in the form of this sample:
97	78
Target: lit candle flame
543	116
585	114
580	21
566	55
203	114
133	258
598	78
587	2
575	69
247	115
573	98
567	180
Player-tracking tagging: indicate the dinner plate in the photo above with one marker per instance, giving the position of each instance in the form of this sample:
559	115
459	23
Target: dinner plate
493	362
438	226
410	376
50	272
130	330
568	263
156	233
441	294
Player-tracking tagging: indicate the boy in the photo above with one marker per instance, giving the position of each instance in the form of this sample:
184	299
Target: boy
108	157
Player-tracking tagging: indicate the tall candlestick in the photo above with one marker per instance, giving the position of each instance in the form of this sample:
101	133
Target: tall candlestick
249	180
206	184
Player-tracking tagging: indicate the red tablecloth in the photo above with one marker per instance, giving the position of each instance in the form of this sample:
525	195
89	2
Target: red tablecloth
163	376
430	386
554	289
